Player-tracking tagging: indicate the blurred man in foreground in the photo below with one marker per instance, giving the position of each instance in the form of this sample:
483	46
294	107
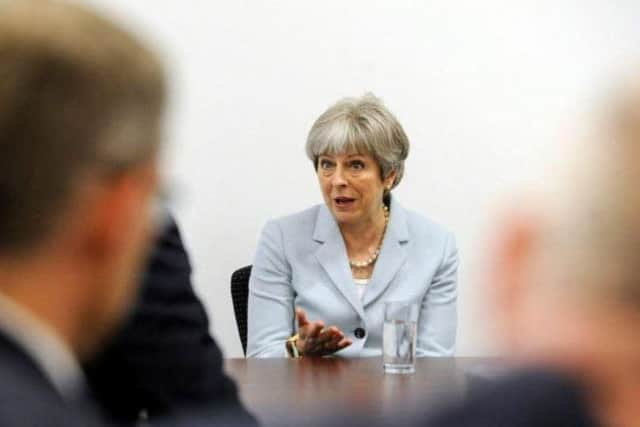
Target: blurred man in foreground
80	111
567	285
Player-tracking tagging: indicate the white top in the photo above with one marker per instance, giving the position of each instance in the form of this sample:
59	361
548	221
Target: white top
361	286
45	347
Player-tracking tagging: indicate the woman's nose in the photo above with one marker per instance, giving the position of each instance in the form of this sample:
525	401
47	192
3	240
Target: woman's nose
338	178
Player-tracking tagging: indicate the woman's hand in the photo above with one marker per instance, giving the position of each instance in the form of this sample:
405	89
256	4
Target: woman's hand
316	340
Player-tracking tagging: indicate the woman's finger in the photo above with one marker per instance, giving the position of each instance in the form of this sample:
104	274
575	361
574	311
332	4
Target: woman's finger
338	330
302	318
308	336
330	334
314	328
345	342
335	340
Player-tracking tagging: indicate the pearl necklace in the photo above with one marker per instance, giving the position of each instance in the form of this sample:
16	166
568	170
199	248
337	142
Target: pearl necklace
374	255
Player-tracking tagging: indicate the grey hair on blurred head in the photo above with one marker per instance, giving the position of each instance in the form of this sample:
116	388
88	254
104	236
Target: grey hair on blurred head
360	125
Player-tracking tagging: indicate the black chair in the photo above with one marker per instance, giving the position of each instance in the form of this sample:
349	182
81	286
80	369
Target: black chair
240	298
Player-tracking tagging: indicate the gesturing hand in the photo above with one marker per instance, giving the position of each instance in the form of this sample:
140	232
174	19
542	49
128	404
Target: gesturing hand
316	340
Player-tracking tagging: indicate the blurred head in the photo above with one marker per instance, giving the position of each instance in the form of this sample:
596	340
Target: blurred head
567	270
358	149
80	110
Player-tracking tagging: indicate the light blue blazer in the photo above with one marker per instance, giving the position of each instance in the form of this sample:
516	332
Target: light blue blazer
301	261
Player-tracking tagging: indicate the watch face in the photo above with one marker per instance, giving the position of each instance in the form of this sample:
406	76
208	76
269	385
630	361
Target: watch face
291	347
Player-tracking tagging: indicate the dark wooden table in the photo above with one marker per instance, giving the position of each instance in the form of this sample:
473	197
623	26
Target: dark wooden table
303	390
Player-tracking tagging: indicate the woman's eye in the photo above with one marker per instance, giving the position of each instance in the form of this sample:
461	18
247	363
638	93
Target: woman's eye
326	164
357	165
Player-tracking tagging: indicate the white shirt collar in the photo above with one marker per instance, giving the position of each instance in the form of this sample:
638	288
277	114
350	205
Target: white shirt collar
47	349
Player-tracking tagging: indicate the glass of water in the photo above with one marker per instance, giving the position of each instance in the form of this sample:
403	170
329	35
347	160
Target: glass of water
399	337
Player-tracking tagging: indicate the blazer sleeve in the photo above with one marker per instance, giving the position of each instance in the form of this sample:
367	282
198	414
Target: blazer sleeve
164	360
271	297
438	314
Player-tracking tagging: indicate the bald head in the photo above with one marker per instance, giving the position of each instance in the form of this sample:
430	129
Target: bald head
591	229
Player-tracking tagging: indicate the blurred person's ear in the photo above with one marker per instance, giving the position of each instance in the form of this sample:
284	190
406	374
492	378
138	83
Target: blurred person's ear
122	205
510	274
117	236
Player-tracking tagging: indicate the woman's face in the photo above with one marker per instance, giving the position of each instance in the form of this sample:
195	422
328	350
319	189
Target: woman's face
352	186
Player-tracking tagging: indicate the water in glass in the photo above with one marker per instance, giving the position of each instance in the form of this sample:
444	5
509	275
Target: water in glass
399	346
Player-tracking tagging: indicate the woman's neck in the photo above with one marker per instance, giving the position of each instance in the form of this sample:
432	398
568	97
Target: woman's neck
360	238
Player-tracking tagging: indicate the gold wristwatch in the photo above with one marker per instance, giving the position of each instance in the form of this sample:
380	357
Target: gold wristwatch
292	347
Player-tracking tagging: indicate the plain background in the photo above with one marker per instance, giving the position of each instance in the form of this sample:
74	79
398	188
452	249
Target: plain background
485	90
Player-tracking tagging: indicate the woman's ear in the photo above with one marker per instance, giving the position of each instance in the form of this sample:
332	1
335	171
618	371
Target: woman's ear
388	181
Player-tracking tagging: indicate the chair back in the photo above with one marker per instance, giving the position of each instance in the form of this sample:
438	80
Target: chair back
240	298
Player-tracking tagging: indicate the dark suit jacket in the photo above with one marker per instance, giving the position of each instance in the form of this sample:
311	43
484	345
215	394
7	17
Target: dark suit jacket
28	399
164	360
533	398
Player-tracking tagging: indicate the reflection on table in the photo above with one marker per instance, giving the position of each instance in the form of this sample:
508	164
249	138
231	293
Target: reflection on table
294	392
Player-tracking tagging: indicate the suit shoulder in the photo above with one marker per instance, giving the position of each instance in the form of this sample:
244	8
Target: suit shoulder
423	226
297	222
26	394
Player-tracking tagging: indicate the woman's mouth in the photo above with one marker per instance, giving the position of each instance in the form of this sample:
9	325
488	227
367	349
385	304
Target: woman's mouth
343	202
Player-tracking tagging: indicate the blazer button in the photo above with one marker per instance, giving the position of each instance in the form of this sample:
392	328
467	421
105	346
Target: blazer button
359	333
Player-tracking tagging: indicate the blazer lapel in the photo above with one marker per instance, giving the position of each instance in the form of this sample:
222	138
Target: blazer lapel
332	256
392	256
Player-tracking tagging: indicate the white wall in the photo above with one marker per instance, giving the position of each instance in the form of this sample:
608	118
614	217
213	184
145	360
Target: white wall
482	89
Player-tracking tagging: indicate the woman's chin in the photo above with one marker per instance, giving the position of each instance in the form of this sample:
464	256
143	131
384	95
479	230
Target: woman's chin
346	218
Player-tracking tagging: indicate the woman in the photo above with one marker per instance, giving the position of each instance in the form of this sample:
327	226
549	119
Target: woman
337	263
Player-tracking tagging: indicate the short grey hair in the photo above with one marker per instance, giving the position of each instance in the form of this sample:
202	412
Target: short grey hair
362	125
